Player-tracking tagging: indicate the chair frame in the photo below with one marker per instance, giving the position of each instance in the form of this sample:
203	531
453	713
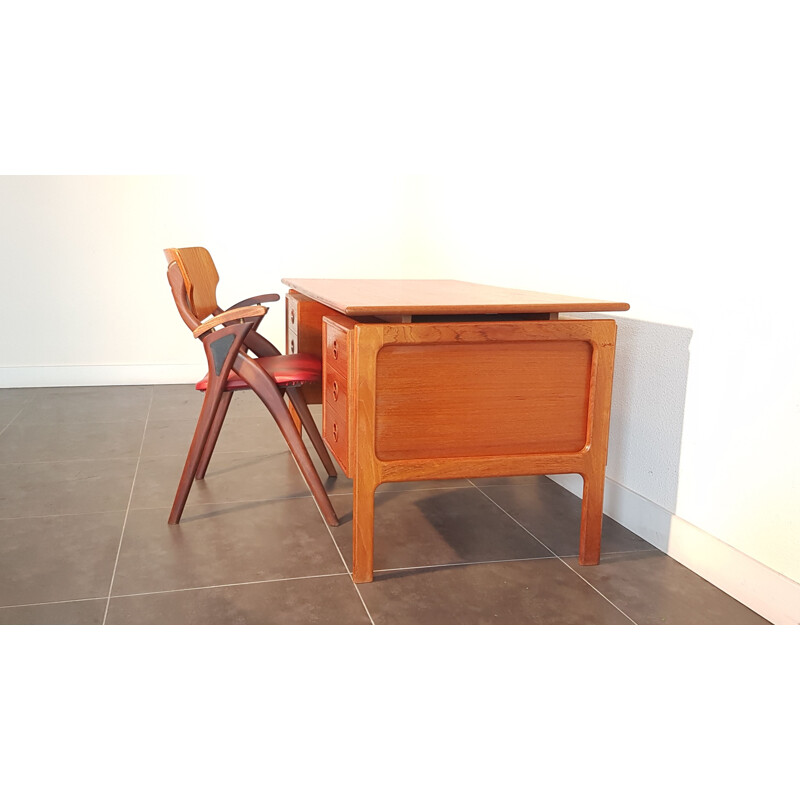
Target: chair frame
226	338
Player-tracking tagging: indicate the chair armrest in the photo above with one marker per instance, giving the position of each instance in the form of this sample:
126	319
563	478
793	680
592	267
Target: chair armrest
247	312
259	298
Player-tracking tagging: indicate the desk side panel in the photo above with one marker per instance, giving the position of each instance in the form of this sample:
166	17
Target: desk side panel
462	399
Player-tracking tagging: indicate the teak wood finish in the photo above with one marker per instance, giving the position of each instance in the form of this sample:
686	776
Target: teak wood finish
381	298
471	394
228	337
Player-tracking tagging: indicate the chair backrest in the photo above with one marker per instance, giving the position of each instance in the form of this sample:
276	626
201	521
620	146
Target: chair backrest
199	276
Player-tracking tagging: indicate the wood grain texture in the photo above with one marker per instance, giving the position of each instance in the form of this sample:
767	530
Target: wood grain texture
241	313
338	414
417	297
438	401
304	334
199	275
456	398
225	348
486	398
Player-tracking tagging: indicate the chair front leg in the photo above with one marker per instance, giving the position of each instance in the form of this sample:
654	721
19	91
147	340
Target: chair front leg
213	435
222	347
208	413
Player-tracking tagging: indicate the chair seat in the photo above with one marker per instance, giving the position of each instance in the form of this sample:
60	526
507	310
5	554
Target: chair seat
285	370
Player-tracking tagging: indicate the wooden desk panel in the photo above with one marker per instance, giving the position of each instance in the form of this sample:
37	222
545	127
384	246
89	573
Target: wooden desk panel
477	397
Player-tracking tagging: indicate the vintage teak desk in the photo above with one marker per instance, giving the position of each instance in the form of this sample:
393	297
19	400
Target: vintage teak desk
426	379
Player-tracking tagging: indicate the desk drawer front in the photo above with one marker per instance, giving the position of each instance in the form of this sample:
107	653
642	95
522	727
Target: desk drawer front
337	347
335	394
335	431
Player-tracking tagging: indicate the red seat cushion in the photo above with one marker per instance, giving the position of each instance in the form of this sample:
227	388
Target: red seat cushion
298	368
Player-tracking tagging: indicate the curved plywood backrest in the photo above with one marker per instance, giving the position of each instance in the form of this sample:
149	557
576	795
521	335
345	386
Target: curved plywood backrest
200	277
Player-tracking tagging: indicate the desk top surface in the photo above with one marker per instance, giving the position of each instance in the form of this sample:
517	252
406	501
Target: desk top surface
381	297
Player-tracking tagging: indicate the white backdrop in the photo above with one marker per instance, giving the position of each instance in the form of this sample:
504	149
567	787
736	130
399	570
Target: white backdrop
649	157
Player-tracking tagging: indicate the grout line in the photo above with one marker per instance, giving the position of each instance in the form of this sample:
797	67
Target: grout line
229	585
67	514
465	564
11	421
181	589
555	554
52	603
67	460
355	585
128	509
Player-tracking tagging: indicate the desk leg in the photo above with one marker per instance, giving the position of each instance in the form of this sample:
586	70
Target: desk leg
591	517
594	476
367	341
363	529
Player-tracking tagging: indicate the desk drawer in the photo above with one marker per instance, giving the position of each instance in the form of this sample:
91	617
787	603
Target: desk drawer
337	331
292	303
337	343
304	333
336	432
335	392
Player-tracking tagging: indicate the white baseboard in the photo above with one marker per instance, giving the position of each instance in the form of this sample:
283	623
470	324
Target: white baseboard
770	594
102	375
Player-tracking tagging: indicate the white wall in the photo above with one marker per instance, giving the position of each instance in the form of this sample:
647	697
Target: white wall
602	150
82	259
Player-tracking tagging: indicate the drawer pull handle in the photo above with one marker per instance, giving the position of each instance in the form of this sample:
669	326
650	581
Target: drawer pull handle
335	349
291	317
291	346
335	432
335	390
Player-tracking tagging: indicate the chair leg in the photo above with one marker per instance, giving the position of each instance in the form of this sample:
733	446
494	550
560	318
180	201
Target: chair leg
299	402
208	412
213	435
269	394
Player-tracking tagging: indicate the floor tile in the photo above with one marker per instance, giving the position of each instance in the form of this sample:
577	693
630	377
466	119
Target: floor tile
12	401
68	441
44	559
87	404
654	589
542	591
176	401
17	396
84	612
246	405
238	435
65	487
253	548
308	601
183	401
444	526
232	543
553	515
507	480
231	478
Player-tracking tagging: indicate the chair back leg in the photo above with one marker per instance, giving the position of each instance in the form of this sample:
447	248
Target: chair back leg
272	398
301	407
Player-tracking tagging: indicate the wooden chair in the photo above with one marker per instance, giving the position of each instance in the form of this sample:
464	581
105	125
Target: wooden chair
227	337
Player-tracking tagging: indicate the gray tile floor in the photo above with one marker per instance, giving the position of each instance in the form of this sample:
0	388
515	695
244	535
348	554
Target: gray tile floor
87	476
